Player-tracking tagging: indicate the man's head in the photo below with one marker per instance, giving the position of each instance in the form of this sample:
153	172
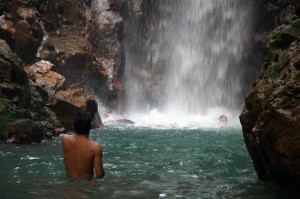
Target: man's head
82	122
223	119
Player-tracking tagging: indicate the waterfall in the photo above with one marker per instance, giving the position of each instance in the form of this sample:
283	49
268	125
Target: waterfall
187	55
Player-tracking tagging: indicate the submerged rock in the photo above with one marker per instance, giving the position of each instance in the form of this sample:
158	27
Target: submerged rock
123	122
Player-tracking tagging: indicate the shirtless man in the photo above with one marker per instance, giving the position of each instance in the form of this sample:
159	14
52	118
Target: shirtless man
82	155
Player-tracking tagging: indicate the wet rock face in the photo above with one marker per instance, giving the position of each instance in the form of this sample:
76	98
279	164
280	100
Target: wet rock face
72	36
270	119
72	54
14	81
50	39
20	27
106	35
47	81
108	29
75	60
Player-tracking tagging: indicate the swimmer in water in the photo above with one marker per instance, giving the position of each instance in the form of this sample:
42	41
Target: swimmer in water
81	154
223	119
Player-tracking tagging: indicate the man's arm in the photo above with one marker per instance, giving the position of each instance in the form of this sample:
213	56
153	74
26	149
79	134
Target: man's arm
98	164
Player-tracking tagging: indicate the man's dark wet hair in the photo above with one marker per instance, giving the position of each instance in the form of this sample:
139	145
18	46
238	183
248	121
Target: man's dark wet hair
82	122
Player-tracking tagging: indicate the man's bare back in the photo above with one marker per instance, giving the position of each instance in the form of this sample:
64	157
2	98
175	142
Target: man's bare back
82	155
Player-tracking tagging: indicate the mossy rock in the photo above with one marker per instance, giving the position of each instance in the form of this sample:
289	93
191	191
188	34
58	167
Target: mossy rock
274	64
282	40
6	116
18	73
7	54
271	56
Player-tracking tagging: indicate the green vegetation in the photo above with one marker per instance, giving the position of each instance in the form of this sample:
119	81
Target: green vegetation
281	64
272	56
274	63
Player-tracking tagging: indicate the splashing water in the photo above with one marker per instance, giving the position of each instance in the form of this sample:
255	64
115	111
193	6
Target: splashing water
185	58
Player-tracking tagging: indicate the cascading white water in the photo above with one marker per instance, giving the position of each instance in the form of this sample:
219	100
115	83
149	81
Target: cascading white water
190	57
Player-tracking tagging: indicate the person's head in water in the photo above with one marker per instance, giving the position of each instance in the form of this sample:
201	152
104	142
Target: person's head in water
82	122
223	119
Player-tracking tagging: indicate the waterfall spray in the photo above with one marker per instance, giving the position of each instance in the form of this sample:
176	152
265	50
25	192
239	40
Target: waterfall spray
187	55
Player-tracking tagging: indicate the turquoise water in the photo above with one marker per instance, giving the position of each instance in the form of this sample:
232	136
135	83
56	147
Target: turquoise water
141	163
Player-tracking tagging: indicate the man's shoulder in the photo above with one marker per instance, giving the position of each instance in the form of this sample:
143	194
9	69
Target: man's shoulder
97	146
67	136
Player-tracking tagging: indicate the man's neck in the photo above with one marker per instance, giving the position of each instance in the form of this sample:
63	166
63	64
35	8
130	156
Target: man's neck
83	135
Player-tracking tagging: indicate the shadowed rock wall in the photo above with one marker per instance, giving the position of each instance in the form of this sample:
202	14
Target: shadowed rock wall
271	119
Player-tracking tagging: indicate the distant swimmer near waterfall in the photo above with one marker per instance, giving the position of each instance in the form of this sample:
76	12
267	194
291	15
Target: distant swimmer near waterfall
81	154
223	119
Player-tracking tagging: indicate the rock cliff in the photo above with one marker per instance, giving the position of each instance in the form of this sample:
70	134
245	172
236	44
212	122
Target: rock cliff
45	50
271	116
52	49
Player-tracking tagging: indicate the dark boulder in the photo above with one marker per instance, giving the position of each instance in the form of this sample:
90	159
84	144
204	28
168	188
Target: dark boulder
26	131
67	103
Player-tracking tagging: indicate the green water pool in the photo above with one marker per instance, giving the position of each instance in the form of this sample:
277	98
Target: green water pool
141	163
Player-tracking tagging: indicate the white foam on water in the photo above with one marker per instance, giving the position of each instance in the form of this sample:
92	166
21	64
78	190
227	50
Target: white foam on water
174	120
